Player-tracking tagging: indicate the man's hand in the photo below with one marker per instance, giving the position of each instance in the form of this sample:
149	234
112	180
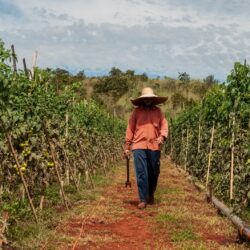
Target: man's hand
126	153
160	140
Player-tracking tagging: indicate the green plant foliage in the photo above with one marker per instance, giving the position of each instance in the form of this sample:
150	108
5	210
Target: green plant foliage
115	85
221	105
33	112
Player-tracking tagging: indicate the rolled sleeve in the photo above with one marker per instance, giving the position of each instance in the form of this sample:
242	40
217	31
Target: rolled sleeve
130	131
164	126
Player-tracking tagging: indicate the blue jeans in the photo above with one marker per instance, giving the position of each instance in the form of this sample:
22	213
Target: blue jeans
147	169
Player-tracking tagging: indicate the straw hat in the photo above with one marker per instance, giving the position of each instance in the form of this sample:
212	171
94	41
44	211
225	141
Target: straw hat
148	94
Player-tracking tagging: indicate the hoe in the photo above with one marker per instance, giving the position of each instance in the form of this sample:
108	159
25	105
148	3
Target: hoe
127	183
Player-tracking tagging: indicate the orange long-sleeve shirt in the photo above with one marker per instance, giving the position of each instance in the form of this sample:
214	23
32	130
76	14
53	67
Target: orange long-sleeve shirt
144	127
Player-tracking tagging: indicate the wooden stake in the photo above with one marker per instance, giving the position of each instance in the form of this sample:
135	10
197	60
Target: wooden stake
22	193
34	60
70	169
1	191
232	158
41	202
87	175
199	138
104	161
22	177
51	146
79	179
182	142
171	141
86	168
186	156
182	138
210	155
13	57
67	175
25	68
67	125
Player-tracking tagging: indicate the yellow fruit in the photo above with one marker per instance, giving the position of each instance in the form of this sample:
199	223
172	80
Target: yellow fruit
26	152
22	169
24	164
45	154
50	164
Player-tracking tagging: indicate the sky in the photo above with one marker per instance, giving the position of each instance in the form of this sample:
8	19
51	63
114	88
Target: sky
159	37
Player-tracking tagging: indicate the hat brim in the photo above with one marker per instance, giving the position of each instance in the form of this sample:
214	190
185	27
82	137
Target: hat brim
156	100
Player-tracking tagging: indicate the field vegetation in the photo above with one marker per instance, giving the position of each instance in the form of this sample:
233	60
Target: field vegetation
60	133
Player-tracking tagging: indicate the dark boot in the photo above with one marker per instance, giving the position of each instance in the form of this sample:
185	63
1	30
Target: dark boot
151	199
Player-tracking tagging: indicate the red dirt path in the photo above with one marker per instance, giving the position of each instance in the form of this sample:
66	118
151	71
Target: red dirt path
180	219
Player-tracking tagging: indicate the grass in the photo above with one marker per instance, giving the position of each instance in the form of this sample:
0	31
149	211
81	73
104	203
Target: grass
28	235
166	194
168	190
99	180
24	233
17	209
246	215
178	229
193	246
166	217
186	234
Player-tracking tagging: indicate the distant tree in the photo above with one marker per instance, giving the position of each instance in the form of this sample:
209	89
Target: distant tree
81	74
49	70
115	72
144	77
62	72
130	73
184	77
62	78
114	85
210	80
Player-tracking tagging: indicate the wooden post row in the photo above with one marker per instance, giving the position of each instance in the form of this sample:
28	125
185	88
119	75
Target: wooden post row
210	154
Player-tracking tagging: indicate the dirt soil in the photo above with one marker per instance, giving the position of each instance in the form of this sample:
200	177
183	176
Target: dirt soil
180	218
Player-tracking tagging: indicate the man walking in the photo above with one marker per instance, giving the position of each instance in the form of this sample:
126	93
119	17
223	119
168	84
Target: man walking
146	131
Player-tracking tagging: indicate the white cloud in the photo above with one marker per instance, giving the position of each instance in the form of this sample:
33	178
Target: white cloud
200	37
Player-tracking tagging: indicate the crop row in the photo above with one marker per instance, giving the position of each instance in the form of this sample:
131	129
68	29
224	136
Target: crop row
49	138
211	139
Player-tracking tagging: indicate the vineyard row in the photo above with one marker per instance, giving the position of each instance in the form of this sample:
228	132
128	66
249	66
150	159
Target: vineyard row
212	138
49	139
